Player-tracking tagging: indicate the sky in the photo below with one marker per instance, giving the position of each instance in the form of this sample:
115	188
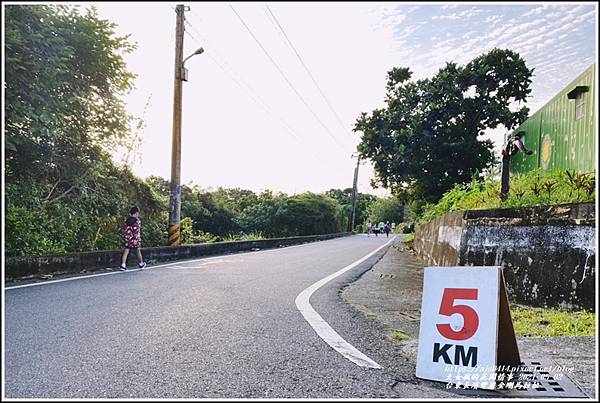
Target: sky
253	116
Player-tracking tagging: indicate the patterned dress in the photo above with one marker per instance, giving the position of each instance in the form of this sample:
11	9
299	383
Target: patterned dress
132	233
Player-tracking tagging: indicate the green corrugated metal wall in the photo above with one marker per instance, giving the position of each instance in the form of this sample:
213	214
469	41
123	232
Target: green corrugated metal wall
558	140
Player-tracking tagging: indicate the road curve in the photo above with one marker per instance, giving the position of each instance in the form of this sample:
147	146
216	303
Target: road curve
220	327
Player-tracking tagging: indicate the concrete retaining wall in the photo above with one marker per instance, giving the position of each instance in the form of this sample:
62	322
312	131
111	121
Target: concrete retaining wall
438	242
32	266
548	252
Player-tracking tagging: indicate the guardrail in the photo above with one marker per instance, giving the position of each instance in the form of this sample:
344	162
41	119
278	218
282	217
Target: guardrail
35	266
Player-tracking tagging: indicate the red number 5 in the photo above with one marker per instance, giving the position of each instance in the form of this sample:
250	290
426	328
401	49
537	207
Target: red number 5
470	318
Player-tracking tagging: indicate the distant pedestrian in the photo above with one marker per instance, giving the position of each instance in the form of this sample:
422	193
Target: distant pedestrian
369	228
132	238
387	230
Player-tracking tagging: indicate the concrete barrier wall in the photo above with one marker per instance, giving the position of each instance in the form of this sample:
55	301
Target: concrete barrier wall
548	252
31	266
438	242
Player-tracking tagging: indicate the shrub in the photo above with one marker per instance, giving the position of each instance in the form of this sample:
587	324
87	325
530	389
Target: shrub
538	187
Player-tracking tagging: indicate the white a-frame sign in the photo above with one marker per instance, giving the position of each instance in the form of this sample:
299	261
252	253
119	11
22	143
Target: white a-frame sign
466	331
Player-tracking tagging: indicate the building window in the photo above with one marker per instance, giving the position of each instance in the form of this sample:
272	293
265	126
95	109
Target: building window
578	94
579	106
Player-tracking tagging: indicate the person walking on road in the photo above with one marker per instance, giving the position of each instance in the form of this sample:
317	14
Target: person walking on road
387	230
369	228
132	238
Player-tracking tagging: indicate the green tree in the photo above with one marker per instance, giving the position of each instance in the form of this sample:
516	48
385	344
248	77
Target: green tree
307	214
342	196
64	78
259	217
385	210
344	199
363	203
89	218
207	214
426	139
235	200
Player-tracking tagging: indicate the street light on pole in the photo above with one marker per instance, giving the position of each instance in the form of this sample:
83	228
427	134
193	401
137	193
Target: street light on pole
180	76
184	72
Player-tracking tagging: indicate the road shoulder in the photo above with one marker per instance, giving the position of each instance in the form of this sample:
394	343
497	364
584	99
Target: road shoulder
390	293
397	378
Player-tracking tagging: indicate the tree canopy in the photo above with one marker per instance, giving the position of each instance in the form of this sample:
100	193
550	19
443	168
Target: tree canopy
386	210
344	198
307	213
427	138
64	78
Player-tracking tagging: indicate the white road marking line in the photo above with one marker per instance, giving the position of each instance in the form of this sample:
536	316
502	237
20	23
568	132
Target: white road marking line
326	332
204	265
70	279
158	265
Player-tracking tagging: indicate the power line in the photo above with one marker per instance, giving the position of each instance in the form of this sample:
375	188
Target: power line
263	106
248	87
252	93
285	77
306	67
239	75
273	23
256	98
187	32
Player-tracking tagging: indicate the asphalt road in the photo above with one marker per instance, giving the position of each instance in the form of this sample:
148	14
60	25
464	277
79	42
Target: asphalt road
221	327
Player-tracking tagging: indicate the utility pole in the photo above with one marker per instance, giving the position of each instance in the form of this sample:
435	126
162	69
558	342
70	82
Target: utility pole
351	221
175	199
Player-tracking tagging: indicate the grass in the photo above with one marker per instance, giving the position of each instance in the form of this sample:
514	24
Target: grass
369	315
535	188
365	312
343	288
398	335
362	310
407	242
253	236
539	322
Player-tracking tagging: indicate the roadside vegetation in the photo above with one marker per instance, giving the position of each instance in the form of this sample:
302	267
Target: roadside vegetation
398	335
80	222
540	322
538	187
427	137
409	239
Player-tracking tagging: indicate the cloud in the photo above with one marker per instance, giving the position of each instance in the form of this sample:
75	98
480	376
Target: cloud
493	19
519	28
465	14
543	36
536	11
575	10
548	7
452	16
